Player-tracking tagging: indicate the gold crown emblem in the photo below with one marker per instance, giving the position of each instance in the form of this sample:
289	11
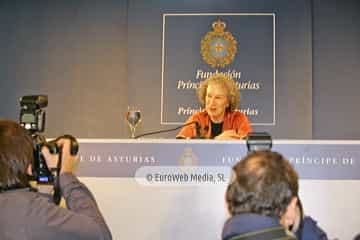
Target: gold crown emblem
218	47
218	26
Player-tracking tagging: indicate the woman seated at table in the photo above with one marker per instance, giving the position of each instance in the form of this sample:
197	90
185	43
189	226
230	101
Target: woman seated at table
220	97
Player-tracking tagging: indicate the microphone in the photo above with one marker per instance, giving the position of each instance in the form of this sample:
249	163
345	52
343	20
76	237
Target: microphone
198	130
197	126
206	129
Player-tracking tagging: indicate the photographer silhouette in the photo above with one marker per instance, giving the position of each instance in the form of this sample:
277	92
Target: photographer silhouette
28	214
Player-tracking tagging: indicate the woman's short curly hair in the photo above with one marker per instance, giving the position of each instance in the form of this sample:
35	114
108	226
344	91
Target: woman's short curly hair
233	93
265	183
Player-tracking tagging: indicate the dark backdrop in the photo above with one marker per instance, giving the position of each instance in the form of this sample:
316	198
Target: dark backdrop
90	56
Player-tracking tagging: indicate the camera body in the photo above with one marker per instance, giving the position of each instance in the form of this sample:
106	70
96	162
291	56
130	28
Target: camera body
258	141
32	118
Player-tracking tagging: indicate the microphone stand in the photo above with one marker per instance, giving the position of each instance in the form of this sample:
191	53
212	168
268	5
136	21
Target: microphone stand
172	129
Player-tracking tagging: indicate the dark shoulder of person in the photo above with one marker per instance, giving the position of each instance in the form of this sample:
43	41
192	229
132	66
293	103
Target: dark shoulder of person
310	230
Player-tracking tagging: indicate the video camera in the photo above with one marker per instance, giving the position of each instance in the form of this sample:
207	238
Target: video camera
32	118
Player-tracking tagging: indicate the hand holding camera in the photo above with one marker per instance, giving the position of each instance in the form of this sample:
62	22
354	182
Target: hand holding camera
66	159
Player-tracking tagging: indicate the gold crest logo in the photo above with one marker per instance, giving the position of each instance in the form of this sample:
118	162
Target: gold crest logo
188	158
218	48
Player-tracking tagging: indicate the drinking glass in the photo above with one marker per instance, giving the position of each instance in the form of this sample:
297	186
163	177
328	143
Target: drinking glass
133	118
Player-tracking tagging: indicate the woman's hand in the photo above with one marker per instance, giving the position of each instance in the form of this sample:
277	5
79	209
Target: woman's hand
228	135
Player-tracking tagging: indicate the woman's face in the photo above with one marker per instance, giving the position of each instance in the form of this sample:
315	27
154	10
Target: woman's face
216	102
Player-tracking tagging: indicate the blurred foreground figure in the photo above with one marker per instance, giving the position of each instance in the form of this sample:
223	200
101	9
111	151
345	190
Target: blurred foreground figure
263	201
26	214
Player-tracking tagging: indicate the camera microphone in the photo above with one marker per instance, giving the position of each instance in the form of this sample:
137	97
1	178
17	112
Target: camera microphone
197	126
